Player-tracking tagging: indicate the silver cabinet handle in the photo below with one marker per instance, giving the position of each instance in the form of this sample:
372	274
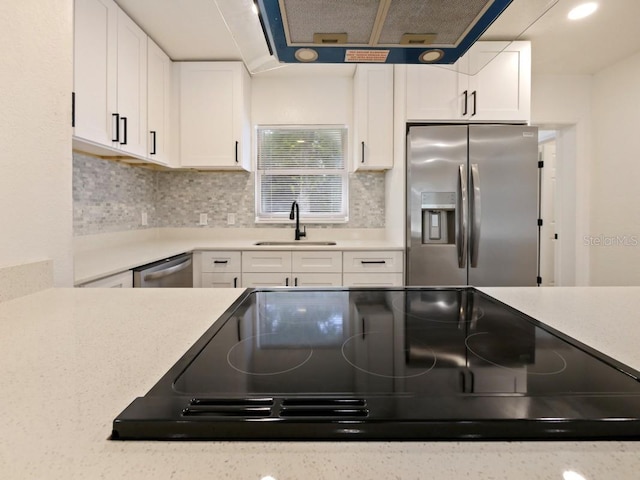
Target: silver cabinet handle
475	215
461	220
167	271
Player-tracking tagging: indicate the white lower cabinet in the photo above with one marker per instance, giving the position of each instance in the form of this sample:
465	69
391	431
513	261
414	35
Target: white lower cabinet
291	268
372	268
372	279
299	268
221	269
291	279
262	279
119	280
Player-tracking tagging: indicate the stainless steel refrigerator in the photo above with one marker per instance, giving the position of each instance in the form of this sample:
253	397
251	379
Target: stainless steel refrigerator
472	205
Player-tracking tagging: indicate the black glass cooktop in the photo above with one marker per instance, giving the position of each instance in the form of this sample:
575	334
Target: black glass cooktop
438	363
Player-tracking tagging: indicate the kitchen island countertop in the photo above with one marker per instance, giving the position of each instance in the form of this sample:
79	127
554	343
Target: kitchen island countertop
72	359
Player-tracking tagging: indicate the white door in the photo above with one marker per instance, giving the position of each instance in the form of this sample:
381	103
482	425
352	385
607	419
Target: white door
548	241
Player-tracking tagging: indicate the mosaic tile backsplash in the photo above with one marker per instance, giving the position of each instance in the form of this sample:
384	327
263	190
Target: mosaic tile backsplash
111	197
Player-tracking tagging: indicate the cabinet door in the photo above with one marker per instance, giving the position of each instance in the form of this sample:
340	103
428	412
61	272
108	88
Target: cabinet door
132	86
256	279
221	280
213	116
94	67
158	102
373	117
119	280
302	279
372	279
434	92
501	88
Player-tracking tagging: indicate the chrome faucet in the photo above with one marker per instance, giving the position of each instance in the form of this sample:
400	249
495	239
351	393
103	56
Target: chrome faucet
295	214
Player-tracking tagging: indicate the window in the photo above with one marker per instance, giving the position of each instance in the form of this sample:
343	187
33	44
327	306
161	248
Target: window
306	164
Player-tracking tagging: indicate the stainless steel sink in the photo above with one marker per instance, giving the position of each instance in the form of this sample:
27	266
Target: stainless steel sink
295	244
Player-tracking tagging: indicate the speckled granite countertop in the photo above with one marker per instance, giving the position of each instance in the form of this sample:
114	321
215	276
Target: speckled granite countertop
72	359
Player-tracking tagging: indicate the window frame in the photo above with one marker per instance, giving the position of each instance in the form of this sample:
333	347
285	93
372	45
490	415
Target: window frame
265	218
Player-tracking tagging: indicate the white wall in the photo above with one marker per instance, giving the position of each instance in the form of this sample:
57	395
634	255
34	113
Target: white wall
36	80
615	212
563	102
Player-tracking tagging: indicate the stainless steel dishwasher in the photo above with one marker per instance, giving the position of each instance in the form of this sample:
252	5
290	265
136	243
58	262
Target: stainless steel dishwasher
172	272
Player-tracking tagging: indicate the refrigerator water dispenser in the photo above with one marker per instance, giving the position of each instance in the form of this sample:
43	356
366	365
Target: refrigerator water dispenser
438	217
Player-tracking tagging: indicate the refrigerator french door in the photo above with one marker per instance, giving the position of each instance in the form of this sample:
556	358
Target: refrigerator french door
472	205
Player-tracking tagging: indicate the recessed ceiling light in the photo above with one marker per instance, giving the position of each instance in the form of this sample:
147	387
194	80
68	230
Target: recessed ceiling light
582	11
306	55
430	56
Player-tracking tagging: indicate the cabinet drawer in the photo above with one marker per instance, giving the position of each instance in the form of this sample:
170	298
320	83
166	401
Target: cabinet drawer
266	261
317	261
372	261
221	262
372	279
221	280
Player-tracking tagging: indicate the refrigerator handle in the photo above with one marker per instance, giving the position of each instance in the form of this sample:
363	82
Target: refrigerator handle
462	215
475	214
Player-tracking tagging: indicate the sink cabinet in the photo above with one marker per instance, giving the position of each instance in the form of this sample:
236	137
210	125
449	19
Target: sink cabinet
291	268
271	267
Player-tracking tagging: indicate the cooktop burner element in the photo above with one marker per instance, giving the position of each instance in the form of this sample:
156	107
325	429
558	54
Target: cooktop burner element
240	357
366	364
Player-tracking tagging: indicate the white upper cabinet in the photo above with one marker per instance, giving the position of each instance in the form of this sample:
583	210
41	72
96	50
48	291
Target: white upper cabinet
215	129
158	103
110	77
132	87
502	87
491	82
95	61
373	117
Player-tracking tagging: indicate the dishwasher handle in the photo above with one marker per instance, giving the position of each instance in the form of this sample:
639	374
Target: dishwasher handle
167	271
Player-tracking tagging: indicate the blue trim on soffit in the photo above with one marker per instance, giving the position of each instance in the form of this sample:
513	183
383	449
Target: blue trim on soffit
274	29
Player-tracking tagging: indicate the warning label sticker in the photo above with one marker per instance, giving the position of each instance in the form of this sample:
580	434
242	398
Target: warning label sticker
366	56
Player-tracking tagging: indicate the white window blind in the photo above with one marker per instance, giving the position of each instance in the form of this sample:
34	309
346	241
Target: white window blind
306	164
